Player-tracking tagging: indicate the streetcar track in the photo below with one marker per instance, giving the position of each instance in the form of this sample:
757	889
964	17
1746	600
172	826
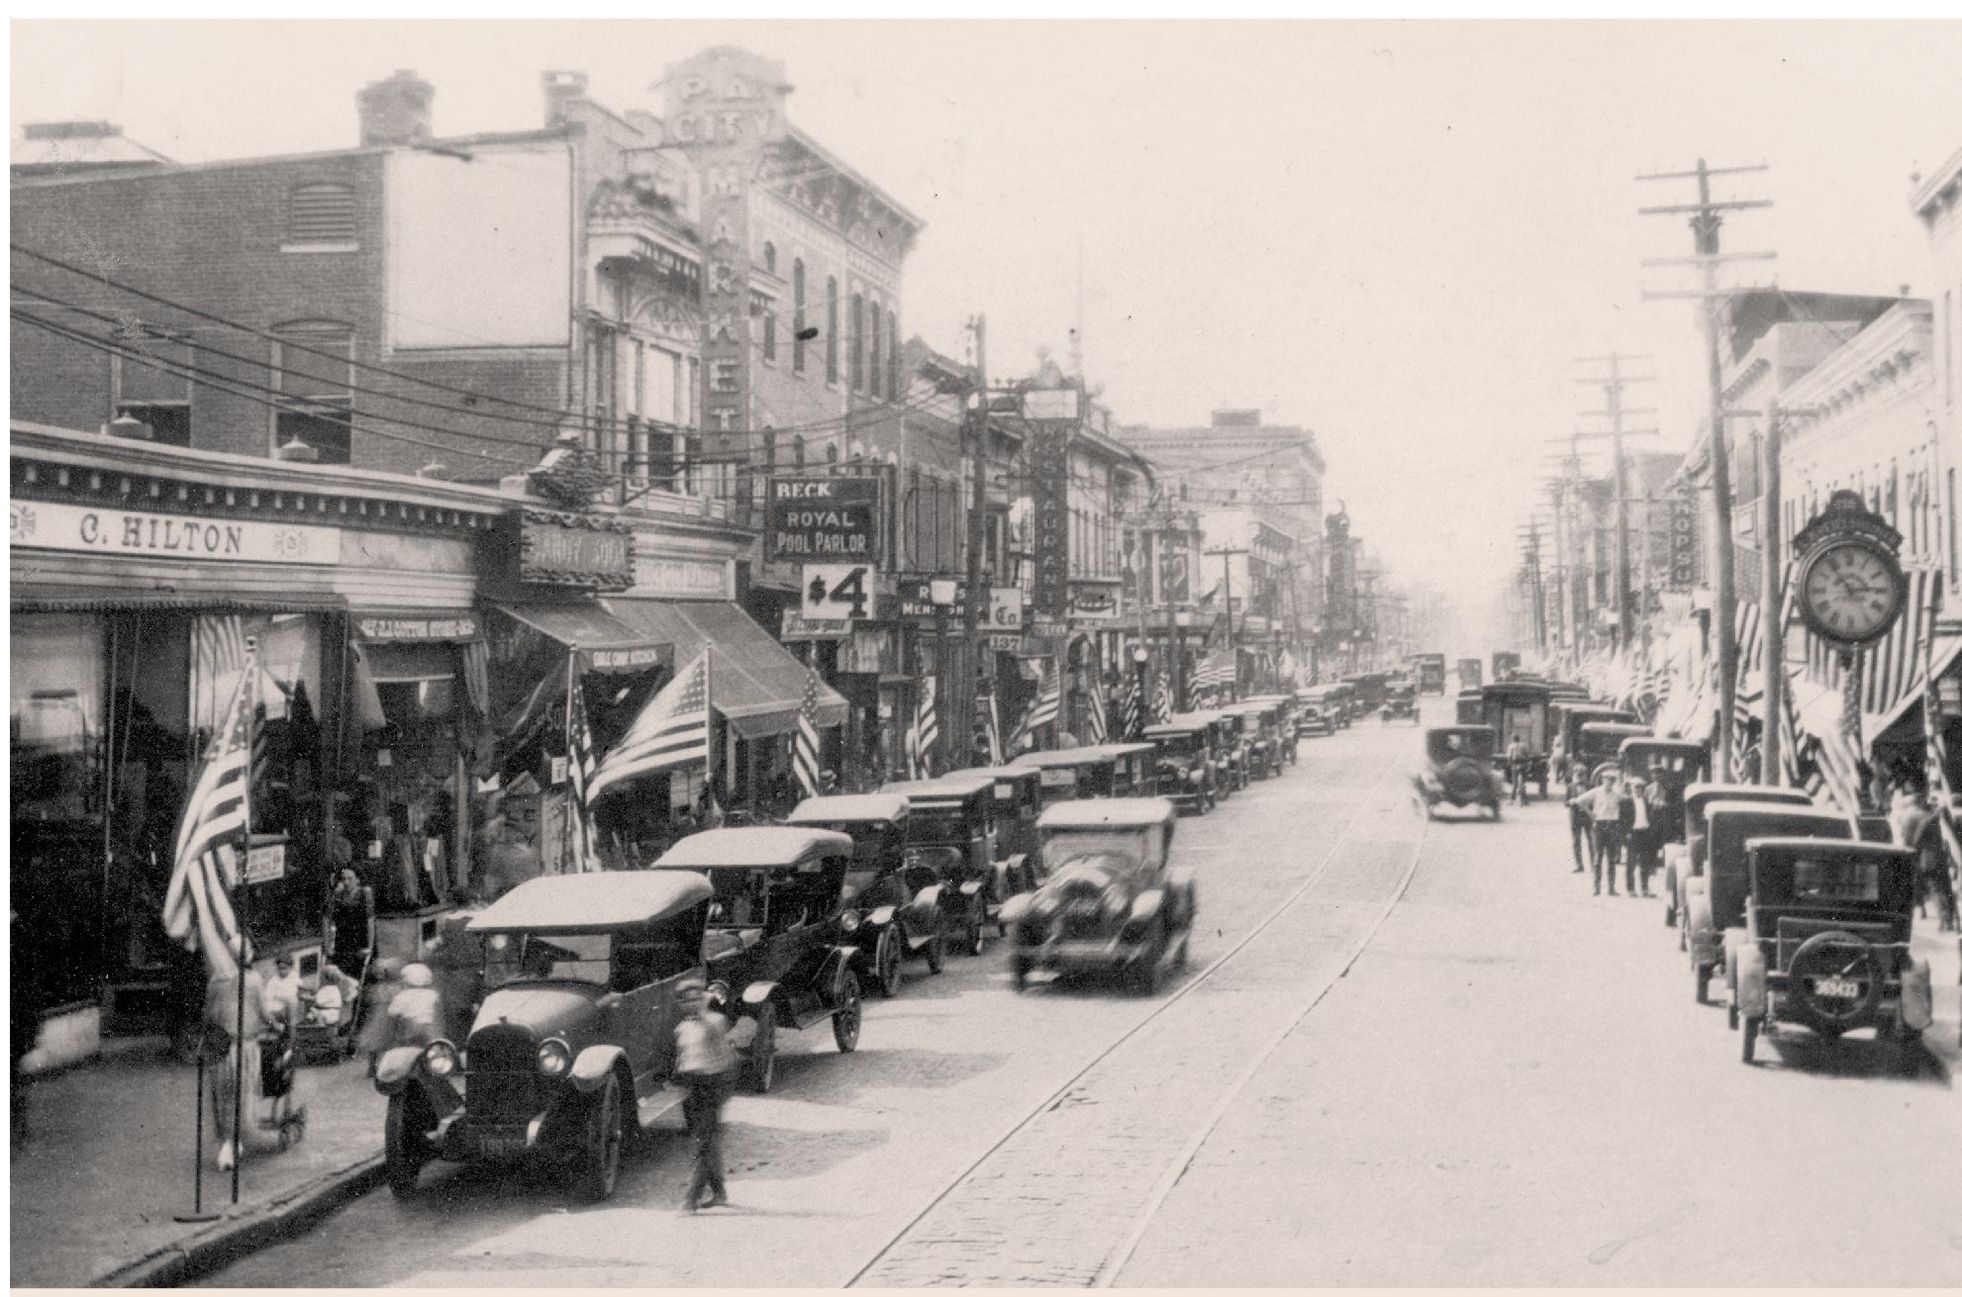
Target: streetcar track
1061	1093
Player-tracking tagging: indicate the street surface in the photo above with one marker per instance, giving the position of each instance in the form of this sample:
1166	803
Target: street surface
1404	1053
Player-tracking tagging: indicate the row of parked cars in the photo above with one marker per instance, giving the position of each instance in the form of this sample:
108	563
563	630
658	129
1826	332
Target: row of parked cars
1066	854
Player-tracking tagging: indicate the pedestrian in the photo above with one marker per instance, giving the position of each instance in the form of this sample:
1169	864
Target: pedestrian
703	1060
1516	769
352	908
415	1015
1640	835
1577	827
376	1024
1603	809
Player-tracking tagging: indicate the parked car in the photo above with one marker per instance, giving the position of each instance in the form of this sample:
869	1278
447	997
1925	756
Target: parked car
1601	743
1400	701
1111	899
1342	704
1230	766
1134	768
1313	718
952	830
1282	710
1714	899
1458	769
574	1043
1072	772
1684	859
778	945
1018	803
892	908
1186	768
1567	719
1825	942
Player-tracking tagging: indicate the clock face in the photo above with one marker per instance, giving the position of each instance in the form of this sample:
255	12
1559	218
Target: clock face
1851	592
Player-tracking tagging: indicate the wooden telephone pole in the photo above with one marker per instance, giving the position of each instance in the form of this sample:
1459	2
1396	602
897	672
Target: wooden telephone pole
959	719
1611	385
1706	222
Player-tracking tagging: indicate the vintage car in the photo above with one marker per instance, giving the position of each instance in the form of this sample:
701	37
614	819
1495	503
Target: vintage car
1825	942
1260	737
1018	803
1342	703
1229	761
1284	710
1371	689
1072	772
778	945
1428	670
1469	707
896	904
1600	746
1134	769
1713	899
1567	720
952	829
1471	674
1400	700
1504	664
1518	709
1682	856
1315	713
1669	766
573	1046
1185	763
1458	769
1110	899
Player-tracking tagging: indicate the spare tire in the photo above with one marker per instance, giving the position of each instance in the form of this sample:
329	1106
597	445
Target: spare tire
1463	780
1842	957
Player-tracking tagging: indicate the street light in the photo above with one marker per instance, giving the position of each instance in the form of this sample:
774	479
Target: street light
942	591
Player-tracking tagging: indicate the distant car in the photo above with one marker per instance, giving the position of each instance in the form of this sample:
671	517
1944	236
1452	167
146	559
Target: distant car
778	945
1185	763
892	909
1111	900
1825	942
1400	701
574	1044
1458	769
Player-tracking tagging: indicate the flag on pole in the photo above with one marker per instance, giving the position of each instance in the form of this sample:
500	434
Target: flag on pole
671	731
1043	709
580	767
197	903
1096	724
987	728
805	757
1161	698
1130	717
924	732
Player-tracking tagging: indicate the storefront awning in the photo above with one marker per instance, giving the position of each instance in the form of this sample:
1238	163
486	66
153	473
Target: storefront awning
28	598
604	642
754	682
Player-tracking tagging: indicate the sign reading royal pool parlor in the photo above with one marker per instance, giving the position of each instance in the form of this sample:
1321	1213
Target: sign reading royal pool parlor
833	519
33	524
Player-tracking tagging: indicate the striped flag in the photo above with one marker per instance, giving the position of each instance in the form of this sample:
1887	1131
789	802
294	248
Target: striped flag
1043	710
1937	742
987	728
580	765
1216	675
197	904
805	756
1130	717
924	732
672	731
217	654
1096	723
1161	699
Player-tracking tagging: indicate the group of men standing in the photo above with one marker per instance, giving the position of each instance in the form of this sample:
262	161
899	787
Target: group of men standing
1617	822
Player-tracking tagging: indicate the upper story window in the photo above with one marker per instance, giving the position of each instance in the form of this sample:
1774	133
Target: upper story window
876	370
893	387
313	364
770	257
797	325
831	330
320	217
858	342
155	386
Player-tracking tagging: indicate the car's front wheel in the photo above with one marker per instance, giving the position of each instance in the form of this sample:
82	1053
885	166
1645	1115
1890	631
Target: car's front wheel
760	1073
887	963
596	1168
936	952
974	938
405	1140
845	1018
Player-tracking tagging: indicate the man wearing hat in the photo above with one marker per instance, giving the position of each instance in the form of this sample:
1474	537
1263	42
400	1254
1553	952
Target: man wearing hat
703	1062
1602	805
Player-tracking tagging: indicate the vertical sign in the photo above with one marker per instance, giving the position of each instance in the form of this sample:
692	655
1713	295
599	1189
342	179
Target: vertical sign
1049	493
1340	601
1682	544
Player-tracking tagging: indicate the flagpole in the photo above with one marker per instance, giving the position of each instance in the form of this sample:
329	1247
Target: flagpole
241	898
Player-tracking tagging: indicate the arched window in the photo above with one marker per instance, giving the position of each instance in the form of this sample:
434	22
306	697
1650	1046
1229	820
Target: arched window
770	257
831	329
858	342
797	320
797	448
893	386
875	370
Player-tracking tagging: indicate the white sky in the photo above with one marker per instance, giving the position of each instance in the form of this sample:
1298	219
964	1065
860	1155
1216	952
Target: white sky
1400	234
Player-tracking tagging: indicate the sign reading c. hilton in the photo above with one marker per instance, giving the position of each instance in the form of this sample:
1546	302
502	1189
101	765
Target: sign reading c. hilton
33	524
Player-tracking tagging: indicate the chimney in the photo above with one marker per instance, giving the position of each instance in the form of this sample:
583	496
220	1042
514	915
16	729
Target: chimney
562	89
395	111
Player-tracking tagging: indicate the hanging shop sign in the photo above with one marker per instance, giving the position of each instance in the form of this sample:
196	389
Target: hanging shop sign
265	861
571	549
1004	614
838	592
88	530
796	628
1682	544
824	519
680	578
411	628
1093	604
1049	494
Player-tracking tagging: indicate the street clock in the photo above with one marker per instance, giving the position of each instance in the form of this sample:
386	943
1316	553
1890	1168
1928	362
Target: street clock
1849	588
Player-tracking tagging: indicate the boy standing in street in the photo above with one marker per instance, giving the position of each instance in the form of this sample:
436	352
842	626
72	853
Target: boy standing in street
703	1059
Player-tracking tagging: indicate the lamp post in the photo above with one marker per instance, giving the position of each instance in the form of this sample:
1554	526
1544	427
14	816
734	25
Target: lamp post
1141	660
943	591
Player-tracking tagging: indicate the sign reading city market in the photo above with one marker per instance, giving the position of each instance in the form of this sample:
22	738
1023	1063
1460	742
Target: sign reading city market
824	519
572	549
1850	588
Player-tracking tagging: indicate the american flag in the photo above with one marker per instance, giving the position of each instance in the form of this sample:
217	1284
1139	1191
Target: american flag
805	757
1130	718
1216	673
671	731
217	654
987	728
197	904
1161	698
1096	724
581	766
924	732
1043	710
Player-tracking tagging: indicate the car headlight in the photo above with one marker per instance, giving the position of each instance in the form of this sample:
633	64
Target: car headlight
849	920
554	1057
441	1058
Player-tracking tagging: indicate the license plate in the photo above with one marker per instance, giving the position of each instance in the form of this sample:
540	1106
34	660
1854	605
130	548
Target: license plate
1836	988
499	1144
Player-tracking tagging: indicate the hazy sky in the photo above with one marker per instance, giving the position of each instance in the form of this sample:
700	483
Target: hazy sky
1399	234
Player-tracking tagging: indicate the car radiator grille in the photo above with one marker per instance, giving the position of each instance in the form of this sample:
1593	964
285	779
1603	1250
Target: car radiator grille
501	1083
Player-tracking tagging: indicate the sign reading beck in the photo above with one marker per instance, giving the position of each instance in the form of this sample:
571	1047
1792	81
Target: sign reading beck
824	519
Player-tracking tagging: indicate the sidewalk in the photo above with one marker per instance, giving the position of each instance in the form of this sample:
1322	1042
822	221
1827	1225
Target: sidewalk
107	1164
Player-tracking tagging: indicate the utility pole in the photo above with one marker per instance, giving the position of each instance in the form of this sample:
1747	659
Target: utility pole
961	720
1706	223
1772	622
1232	646
1611	386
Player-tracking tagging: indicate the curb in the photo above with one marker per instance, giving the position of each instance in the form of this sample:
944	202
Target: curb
249	1231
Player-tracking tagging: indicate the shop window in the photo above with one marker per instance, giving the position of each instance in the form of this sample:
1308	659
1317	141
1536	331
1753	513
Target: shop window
313	366
408	706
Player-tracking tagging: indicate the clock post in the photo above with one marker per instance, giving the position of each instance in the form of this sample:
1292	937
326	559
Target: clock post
1849	588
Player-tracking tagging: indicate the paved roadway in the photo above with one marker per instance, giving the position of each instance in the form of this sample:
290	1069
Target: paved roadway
1405	1053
